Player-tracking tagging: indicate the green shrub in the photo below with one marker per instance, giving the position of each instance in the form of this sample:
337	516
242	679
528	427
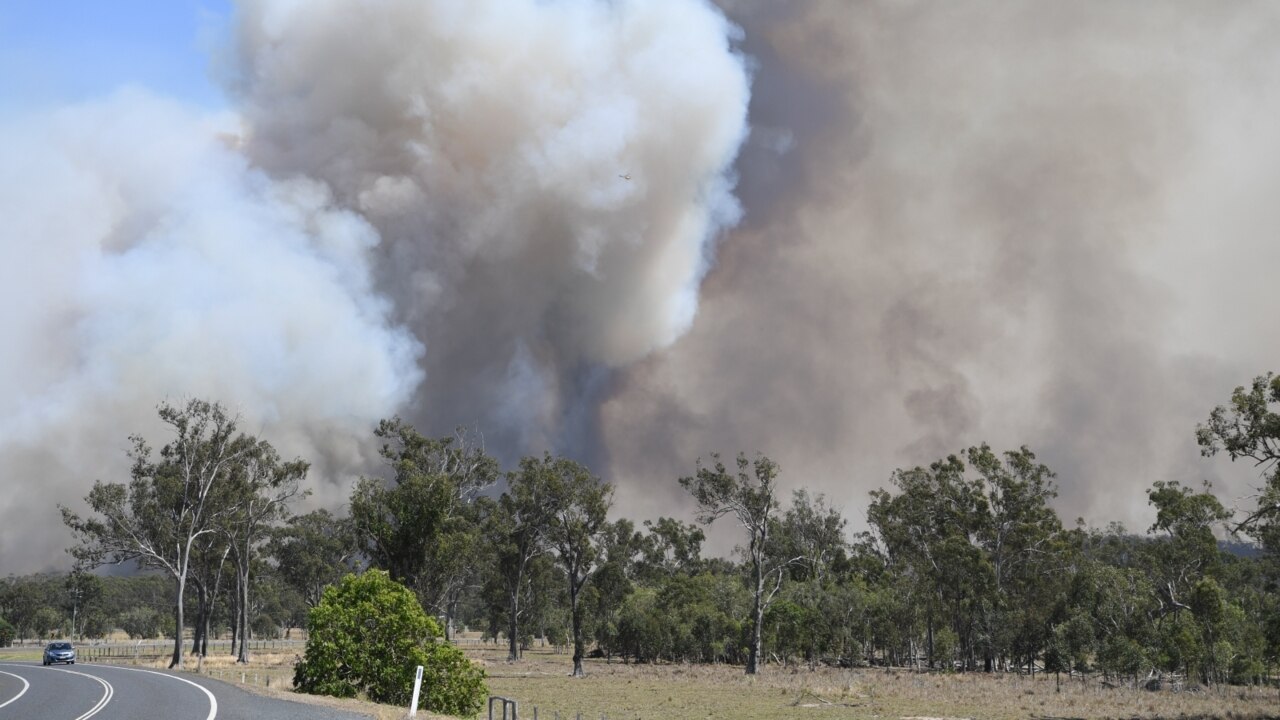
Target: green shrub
6	633
140	623
1247	671
368	635
1121	656
265	628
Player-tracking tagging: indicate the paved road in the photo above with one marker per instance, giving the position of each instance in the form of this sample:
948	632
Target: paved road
111	692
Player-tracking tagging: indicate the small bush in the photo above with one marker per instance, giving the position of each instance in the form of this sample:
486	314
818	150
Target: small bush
1247	671
265	628
140	623
6	633
1121	656
368	635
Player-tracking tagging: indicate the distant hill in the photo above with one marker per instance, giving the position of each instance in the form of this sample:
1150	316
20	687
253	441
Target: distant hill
1240	549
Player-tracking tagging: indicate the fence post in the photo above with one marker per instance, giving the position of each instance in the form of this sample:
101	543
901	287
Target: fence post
417	685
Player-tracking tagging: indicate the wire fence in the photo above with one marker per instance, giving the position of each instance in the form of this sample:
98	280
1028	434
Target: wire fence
504	708
153	650
259	678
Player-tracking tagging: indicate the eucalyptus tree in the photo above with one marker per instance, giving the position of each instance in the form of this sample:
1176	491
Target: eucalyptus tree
312	552
83	595
423	525
515	535
929	531
576	530
1023	539
1186	548
208	562
750	496
260	488
669	546
811	537
615	578
1249	429
170	503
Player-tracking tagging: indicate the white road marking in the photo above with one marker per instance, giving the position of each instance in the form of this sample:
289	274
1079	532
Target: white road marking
25	686
106	695
213	701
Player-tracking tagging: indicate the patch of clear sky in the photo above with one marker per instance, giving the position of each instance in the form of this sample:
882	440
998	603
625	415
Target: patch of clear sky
56	52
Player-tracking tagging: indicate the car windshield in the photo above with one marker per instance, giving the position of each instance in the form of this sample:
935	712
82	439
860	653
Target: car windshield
60	646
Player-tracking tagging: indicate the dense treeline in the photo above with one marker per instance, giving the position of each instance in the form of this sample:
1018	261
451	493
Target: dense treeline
964	565
91	607
84	605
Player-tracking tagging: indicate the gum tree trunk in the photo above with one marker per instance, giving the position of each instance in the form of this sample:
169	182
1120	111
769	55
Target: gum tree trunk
177	635
576	613
513	632
757	615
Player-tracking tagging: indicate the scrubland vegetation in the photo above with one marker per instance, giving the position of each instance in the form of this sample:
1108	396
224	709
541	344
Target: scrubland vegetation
967	594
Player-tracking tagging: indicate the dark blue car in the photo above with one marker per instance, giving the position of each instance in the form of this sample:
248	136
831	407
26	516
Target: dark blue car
59	652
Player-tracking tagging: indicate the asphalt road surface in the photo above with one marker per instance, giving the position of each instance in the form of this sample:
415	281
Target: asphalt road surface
29	691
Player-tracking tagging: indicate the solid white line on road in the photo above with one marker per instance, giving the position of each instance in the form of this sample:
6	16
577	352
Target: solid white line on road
25	686
106	695
213	701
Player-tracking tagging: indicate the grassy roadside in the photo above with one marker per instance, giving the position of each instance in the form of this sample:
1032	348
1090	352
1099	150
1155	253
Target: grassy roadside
689	692
694	692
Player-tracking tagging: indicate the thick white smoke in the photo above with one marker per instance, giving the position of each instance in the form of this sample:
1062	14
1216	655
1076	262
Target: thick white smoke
548	177
465	212
143	259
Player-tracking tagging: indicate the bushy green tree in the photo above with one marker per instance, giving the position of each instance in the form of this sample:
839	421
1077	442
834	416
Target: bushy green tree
578	528
367	636
1121	656
684	619
174	500
424	525
1249	429
929	530
47	622
312	552
140	623
751	498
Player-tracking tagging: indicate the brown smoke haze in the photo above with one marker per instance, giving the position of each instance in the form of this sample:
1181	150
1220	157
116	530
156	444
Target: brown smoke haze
1027	223
853	236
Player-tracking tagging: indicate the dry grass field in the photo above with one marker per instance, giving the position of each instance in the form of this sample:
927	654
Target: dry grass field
691	692
686	692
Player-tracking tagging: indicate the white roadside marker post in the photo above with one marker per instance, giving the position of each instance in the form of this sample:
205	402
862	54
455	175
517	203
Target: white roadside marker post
417	685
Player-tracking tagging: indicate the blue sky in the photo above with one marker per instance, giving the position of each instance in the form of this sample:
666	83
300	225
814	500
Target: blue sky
53	52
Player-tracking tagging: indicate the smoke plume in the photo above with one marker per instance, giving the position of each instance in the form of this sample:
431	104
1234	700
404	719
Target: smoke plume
468	213
1014	222
547	179
146	260
854	236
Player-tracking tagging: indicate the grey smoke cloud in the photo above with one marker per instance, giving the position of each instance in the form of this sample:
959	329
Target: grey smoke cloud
469	213
548	180
144	259
1048	224
1015	222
